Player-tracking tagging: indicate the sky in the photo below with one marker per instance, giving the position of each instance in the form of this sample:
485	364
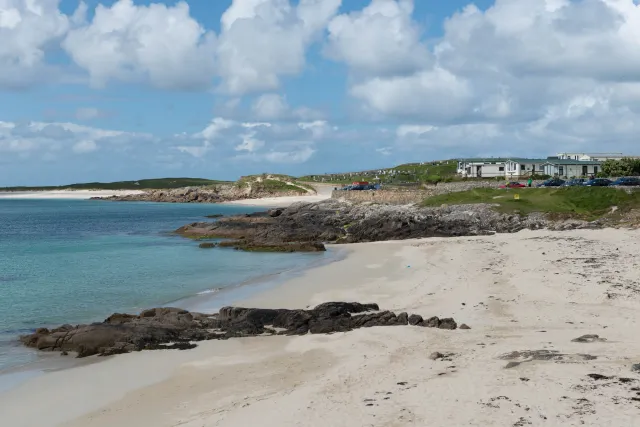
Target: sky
109	90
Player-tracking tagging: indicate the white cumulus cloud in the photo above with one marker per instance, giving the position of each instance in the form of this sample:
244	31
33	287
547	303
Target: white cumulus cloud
263	40
129	42
27	29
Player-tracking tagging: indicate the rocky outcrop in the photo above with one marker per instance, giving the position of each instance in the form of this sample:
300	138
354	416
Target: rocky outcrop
173	328
251	187
217	194
338	221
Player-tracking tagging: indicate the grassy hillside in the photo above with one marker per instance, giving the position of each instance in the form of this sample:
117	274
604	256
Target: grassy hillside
142	184
426	172
578	202
273	183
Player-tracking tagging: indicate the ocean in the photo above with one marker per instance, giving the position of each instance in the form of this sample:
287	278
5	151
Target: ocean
77	261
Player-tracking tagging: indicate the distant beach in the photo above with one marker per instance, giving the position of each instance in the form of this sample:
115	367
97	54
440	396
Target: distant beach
65	194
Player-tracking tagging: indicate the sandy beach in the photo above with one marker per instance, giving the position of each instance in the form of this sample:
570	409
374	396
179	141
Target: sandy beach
66	194
323	192
526	296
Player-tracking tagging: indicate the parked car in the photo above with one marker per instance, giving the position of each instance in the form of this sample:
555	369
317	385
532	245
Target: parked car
552	182
513	184
627	182
575	182
598	182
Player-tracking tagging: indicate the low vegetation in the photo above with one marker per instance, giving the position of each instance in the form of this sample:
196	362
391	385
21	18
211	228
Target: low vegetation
623	167
273	183
572	202
416	173
142	184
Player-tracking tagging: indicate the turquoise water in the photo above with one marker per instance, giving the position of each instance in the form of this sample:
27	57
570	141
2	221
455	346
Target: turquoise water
69	261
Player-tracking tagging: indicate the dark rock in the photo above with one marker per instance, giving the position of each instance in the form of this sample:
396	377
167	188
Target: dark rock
512	365
255	246
415	319
174	328
447	323
214	216
588	338
465	326
436	355
274	213
327	221
207	245
598	377
635	367
403	319
432	322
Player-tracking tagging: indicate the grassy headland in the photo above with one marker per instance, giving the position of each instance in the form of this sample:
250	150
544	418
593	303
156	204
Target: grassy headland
577	202
142	184
273	183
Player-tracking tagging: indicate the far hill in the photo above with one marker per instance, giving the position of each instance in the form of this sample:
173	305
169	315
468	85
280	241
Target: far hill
142	184
429	172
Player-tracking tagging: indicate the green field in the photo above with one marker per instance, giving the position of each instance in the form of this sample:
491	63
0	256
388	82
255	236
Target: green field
428	172
576	202
143	184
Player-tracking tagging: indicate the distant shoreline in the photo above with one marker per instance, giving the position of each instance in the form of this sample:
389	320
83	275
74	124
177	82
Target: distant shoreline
65	194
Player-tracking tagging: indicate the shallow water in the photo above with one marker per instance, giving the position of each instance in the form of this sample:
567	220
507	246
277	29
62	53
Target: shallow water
70	261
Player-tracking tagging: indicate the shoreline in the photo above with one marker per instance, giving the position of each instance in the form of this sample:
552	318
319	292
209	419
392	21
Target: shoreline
64	194
518	292
206	301
264	202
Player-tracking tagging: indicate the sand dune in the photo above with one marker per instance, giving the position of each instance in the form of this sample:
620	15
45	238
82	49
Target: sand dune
526	296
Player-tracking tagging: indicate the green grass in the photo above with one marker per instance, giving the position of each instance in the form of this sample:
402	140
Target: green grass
275	183
429	172
576	202
142	184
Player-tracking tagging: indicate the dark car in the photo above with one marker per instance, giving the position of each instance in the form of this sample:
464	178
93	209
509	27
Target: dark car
575	182
552	182
633	181
598	182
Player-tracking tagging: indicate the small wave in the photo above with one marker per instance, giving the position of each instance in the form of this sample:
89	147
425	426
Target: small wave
209	291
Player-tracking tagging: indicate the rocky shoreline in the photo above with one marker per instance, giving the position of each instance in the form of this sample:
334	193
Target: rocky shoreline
217	194
173	328
300	227
311	225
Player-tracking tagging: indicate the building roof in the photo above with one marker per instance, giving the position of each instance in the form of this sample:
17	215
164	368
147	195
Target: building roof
523	160
572	162
484	160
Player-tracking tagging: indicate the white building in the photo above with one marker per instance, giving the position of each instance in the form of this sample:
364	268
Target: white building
519	168
569	168
481	167
593	157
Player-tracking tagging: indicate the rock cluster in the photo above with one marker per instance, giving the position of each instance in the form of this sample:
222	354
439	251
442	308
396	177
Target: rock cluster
218	194
173	328
338	221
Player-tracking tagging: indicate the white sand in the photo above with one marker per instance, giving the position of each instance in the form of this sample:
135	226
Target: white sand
66	194
526	291
323	192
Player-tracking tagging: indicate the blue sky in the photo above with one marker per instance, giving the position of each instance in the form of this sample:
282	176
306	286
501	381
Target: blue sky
127	89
